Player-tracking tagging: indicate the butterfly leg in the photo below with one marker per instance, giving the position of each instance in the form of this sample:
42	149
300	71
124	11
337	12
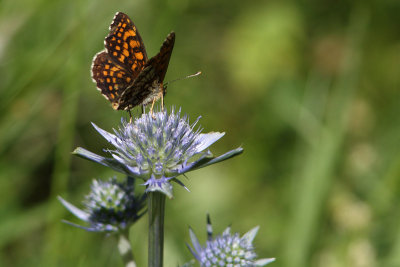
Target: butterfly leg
162	101
130	116
151	109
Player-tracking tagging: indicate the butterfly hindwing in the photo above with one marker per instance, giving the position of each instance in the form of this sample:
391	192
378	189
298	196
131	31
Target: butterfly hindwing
110	78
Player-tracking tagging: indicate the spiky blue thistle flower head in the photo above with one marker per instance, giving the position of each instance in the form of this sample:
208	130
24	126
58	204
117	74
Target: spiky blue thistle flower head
157	148
227	249
110	206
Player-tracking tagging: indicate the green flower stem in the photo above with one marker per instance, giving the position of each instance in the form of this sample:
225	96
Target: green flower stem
125	249
156	208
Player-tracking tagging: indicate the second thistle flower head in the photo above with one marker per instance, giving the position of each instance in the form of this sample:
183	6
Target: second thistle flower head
114	203
110	206
158	148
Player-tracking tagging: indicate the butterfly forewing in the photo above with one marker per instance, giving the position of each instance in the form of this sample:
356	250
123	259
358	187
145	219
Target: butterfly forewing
124	44
161	60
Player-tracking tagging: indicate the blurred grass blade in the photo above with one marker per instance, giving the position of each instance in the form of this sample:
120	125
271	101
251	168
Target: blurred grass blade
312	185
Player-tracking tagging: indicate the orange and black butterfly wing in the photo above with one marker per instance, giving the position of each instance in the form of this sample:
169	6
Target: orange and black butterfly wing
110	78
149	83
160	61
115	69
125	46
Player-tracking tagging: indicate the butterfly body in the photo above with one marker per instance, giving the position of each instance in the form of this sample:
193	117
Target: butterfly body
123	73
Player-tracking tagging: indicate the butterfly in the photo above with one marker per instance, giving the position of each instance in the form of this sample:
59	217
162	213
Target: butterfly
123	73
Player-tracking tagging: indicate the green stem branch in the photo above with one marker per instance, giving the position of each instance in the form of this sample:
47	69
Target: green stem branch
156	208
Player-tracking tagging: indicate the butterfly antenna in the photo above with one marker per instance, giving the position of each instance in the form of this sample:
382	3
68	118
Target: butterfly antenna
189	76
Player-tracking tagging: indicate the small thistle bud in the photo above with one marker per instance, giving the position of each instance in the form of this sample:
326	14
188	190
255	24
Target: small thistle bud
158	148
110	206
227	250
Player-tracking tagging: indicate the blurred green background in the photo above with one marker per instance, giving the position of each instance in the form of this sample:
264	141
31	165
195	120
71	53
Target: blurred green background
309	89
